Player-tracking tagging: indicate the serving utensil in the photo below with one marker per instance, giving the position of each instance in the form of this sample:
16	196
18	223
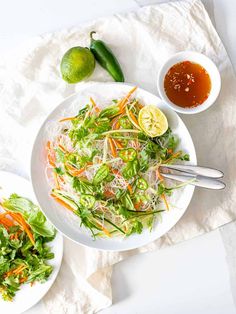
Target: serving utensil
203	182
197	170
196	175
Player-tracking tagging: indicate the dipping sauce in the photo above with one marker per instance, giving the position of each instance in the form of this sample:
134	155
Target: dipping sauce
187	84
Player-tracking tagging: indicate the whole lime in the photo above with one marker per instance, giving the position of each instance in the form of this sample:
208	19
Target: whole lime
77	64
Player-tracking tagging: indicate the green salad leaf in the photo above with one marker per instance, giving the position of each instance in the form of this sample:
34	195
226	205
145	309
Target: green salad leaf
21	260
101	174
31	213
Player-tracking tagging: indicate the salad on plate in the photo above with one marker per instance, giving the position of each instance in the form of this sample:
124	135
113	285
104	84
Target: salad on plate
104	165
24	250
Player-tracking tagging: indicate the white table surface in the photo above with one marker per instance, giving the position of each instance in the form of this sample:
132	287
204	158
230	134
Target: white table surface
192	277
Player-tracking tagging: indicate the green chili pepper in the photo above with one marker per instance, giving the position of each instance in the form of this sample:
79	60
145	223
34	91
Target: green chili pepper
101	174
142	184
125	123
87	200
106	58
128	154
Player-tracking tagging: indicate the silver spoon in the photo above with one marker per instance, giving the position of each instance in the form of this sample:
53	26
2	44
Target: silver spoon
200	181
197	170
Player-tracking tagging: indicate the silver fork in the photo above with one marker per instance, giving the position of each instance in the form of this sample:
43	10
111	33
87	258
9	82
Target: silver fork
196	175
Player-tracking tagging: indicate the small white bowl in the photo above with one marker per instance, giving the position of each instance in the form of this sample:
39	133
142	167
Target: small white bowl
207	64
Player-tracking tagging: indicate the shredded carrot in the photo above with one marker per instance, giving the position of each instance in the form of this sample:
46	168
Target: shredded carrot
20	220
158	174
51	155
55	176
23	279
94	105
15	271
62	202
118	143
51	162
74	171
48	145
27	230
140	106
108	193
133	117
12	236
112	146
129	187
117	125
19	269
104	229
173	156
165	201
62	148
3	214
61	179
67	119
16	235
116	171
7	223
126	98
138	205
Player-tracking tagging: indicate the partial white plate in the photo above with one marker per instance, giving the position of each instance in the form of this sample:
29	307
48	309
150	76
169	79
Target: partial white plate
28	296
64	220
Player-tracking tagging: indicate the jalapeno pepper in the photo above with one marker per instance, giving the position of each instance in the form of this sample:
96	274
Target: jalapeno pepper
128	154
142	184
87	200
106	58
101	174
125	123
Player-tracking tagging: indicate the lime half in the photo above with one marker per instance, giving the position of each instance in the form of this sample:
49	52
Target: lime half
152	121
77	64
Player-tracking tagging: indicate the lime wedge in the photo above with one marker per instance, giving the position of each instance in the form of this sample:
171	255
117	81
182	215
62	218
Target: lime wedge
152	121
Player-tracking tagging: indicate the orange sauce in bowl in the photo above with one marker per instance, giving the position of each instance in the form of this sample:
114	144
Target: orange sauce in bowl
187	84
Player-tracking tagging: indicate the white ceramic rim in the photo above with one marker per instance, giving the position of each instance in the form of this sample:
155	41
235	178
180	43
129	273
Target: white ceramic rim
205	62
34	182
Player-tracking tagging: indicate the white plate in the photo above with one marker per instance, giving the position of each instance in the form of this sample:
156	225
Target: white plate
28	296
67	222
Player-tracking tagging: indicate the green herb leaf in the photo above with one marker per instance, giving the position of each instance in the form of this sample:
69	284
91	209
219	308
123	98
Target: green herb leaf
136	228
131	169
101	174
110	111
82	186
127	202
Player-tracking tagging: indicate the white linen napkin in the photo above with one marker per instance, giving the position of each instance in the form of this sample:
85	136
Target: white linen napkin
31	86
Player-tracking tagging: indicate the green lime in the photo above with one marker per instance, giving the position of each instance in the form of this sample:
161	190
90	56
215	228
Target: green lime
77	64
153	121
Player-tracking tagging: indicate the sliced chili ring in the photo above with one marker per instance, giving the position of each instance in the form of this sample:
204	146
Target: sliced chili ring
128	154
